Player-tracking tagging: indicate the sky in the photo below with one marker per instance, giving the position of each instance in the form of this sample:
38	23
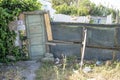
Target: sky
108	3
47	6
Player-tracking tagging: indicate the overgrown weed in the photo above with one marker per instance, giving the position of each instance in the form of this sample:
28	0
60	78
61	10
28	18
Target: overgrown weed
70	70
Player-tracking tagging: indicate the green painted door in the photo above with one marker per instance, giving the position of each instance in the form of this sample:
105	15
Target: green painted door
36	35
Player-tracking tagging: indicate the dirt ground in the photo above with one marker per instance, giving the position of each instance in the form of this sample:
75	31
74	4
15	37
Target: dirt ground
22	70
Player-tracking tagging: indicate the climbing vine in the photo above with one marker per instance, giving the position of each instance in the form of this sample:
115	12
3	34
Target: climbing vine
9	9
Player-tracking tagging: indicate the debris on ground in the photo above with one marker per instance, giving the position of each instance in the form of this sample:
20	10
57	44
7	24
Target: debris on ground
87	69
99	63
57	60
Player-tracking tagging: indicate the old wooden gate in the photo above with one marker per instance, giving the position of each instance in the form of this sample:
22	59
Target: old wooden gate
35	28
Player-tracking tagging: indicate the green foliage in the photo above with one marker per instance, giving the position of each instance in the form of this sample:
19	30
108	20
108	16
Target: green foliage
64	9
60	2
8	10
16	6
80	8
100	10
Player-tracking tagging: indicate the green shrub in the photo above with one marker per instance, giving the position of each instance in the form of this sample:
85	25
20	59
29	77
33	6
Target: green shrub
8	10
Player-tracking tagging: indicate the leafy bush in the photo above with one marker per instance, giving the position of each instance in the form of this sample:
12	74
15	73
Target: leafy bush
68	10
8	10
81	8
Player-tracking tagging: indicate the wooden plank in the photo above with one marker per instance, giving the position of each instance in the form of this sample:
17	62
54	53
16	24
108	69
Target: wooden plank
50	43
61	41
78	43
87	25
108	48
48	27
55	43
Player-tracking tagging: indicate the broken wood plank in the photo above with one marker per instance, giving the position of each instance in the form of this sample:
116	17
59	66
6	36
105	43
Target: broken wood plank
48	27
50	43
55	43
79	43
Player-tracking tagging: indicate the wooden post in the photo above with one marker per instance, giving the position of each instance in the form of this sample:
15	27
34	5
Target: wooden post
48	30
48	27
83	48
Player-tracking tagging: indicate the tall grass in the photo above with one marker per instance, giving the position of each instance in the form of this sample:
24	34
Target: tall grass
70	70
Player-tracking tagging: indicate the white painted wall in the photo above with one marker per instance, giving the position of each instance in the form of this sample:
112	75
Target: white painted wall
47	6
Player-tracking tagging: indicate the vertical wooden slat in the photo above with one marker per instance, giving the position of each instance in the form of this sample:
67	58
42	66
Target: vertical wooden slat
48	27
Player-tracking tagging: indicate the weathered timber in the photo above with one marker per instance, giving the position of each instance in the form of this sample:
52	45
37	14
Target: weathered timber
57	42
48	27
87	25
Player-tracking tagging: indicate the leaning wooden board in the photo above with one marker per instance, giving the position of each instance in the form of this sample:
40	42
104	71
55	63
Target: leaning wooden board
48	27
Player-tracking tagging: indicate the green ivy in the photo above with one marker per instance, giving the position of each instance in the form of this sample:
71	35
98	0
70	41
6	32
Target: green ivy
8	10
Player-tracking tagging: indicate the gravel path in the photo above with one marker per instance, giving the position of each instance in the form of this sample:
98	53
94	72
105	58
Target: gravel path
22	70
